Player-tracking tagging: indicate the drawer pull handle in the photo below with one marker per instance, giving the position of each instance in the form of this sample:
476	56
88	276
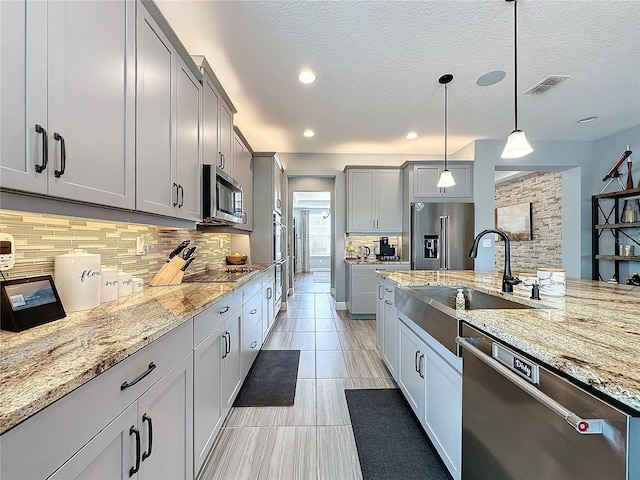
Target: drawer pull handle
254	344
387	289
224	310
147	454
150	369
254	311
388	302
136	432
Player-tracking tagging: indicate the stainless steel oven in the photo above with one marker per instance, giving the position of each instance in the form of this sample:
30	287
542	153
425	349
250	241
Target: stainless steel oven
279	232
521	420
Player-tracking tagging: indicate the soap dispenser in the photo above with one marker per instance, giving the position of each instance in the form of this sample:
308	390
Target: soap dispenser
460	300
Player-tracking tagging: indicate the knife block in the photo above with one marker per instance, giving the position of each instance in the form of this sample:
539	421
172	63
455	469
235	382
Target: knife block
168	273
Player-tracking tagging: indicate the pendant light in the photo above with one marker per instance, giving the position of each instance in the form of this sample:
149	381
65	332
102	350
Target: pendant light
517	145
446	179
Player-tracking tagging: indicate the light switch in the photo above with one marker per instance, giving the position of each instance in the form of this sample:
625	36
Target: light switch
486	243
141	247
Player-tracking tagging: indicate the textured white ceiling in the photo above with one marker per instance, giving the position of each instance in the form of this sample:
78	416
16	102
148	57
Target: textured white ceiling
378	64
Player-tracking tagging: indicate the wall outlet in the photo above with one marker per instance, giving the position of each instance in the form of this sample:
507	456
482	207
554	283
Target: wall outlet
141	247
486	243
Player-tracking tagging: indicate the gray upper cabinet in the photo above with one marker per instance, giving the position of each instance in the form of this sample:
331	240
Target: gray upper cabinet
374	200
243	165
217	122
425	181
67	100
168	167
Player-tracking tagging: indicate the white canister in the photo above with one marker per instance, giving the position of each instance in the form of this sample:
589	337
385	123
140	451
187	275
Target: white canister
125	284
552	281
109	284
77	277
138	285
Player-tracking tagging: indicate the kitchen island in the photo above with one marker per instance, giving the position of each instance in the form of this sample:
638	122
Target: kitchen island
592	334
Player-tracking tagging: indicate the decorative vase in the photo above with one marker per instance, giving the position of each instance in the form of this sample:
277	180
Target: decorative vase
629	176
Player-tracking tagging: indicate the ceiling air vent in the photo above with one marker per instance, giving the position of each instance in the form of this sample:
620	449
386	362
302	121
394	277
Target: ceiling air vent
546	83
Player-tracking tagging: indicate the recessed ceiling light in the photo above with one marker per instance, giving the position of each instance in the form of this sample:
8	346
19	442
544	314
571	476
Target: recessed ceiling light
587	119
307	76
309	133
412	135
491	78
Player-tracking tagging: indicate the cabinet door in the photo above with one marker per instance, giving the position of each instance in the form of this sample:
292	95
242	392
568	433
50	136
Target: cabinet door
23	94
225	117
277	188
463	175
388	201
443	410
390	336
207	397
165	418
247	194
231	379
425	181
210	127
109	455
411	349
189	167
379	315
361	199
156	191
91	67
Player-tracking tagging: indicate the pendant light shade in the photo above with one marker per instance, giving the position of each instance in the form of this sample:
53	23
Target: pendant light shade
446	178
517	144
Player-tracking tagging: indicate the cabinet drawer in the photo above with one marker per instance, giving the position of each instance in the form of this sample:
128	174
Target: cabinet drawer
251	312
268	277
65	426
251	344
214	316
250	289
388	291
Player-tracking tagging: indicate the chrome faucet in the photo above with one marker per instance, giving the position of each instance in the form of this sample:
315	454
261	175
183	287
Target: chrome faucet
508	281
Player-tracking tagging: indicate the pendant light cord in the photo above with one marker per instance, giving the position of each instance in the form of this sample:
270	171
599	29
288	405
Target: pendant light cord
446	96
515	62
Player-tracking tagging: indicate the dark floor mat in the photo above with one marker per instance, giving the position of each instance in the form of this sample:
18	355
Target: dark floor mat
271	382
391	444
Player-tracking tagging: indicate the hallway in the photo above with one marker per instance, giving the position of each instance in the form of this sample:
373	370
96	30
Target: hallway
312	282
313	439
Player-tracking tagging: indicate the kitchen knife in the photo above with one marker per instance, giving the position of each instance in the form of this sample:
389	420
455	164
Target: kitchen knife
186	254
178	249
177	280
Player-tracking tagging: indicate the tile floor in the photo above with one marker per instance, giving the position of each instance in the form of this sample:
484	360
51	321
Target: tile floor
312	440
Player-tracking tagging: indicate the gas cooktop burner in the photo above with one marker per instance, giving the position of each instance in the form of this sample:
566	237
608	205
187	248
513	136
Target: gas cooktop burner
220	275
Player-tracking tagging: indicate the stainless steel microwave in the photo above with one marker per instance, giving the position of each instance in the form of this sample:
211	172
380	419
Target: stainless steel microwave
222	197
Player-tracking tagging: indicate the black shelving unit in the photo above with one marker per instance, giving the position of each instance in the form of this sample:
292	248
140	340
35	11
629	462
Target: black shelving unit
605	214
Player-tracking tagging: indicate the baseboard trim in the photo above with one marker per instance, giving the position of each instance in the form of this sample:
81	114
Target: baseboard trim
341	305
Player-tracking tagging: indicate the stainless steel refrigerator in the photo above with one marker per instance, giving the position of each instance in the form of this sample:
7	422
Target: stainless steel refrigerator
441	235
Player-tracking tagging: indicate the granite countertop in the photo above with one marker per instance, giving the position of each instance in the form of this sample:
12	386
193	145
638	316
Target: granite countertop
592	334
42	364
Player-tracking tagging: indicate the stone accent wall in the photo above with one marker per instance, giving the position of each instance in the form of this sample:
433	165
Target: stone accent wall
39	238
544	191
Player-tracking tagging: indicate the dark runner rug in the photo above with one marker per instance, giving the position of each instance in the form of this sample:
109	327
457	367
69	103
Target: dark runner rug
271	382
391	444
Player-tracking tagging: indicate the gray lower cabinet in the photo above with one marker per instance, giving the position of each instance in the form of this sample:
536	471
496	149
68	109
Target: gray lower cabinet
268	308
216	370
387	325
430	377
361	286
94	430
151	439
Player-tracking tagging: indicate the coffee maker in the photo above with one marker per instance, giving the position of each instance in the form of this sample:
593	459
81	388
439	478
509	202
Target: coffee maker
387	252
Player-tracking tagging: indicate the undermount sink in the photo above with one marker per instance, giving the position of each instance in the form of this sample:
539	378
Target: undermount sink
475	300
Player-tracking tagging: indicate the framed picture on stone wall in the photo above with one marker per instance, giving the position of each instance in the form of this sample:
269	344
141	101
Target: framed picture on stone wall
515	221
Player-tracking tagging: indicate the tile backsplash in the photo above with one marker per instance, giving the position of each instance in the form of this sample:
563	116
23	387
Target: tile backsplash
39	238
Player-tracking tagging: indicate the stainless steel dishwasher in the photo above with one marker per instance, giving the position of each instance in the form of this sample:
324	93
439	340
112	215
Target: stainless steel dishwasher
522	421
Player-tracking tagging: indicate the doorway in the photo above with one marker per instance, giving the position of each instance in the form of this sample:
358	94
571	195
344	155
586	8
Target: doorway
312	245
